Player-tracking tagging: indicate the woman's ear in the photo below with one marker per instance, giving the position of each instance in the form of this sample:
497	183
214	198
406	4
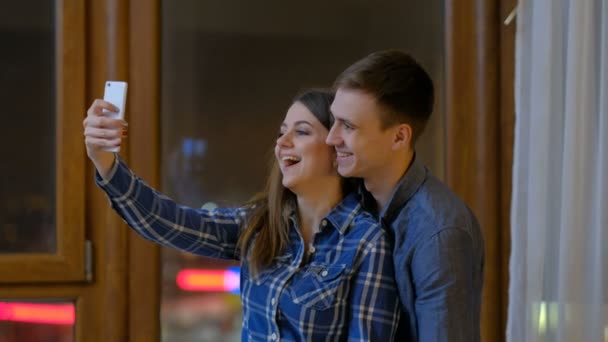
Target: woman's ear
402	137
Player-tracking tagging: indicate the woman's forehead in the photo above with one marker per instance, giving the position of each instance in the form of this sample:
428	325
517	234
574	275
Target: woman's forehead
298	114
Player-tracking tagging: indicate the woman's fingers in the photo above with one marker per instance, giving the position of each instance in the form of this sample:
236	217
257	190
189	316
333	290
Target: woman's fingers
103	122
104	133
100	142
98	106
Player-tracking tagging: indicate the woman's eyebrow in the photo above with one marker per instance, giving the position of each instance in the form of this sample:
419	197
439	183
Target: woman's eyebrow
300	122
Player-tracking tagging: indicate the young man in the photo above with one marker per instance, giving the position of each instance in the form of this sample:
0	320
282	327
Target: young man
382	105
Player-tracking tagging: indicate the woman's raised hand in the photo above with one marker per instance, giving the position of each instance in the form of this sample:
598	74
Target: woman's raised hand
102	132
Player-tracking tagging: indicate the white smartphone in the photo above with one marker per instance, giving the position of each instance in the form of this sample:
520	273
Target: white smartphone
115	93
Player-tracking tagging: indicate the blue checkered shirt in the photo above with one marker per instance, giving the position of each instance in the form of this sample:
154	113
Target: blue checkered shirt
343	291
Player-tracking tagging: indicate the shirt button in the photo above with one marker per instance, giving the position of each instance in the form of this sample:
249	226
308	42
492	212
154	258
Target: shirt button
324	223
273	336
324	273
312	249
273	301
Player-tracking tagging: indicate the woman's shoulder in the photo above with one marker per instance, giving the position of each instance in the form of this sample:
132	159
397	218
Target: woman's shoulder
365	224
362	224
353	203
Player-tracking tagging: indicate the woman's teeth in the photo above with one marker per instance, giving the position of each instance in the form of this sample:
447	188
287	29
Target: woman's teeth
290	158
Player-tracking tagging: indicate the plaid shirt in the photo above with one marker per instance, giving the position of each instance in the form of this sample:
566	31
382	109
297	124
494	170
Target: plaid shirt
343	291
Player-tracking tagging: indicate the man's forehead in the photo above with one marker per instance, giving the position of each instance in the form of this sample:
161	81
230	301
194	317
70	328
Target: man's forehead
353	102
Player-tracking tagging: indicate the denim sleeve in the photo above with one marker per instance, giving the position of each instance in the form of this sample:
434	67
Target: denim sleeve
156	217
443	271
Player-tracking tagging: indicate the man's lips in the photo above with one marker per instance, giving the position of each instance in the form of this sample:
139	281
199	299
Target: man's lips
343	154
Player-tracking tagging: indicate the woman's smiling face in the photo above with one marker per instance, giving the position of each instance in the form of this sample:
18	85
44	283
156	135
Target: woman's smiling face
301	151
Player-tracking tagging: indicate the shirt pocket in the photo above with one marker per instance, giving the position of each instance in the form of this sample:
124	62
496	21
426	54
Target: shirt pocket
318	286
268	273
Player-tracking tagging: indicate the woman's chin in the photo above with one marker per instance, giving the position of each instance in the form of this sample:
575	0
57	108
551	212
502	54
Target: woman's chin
295	186
289	184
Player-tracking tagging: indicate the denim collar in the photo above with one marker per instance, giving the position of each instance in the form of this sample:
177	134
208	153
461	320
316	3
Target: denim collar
407	186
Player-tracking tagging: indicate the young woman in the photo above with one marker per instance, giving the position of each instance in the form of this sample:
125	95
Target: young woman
314	265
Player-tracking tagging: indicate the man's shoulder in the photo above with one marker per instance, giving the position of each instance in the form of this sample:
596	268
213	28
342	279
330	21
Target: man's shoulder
435	207
435	217
434	191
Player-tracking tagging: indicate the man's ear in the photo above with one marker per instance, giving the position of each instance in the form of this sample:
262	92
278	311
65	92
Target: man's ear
402	138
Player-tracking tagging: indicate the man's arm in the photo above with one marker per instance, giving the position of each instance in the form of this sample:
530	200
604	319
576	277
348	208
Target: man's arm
447	296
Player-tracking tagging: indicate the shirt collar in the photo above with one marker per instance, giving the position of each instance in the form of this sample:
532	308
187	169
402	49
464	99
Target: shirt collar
341	216
407	186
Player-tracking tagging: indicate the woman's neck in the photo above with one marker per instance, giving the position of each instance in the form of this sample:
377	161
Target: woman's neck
313	206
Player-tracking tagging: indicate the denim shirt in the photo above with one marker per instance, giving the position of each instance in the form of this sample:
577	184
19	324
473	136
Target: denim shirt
343	291
438	257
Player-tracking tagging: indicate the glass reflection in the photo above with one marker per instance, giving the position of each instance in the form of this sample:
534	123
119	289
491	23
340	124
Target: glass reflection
38	321
27	173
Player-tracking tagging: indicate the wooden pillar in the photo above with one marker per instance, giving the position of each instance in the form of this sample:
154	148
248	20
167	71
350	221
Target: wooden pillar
472	43
107	59
144	157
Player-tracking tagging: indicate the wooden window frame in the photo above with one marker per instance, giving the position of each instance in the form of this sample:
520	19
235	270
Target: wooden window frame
68	263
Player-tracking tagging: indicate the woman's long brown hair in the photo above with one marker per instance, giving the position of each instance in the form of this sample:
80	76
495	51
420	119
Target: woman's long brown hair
266	234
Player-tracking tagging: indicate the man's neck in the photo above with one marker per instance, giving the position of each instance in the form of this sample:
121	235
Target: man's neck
382	184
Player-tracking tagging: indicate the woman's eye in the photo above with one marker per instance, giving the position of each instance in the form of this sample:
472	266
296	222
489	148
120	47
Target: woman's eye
299	132
280	134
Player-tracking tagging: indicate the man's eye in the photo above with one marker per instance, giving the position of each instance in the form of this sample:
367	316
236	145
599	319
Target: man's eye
347	126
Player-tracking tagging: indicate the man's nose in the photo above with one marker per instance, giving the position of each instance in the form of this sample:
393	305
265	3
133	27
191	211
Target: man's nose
333	138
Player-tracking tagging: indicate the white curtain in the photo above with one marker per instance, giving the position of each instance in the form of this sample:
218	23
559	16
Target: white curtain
559	212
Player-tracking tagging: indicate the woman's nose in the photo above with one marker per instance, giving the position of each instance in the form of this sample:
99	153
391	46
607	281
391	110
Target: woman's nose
284	139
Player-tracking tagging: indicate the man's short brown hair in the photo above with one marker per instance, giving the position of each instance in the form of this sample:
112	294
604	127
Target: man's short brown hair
398	83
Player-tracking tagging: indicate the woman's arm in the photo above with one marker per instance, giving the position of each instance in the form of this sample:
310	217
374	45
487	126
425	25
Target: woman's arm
150	213
156	217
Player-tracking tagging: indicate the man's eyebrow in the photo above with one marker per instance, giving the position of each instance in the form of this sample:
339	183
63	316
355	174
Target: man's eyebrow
350	123
338	118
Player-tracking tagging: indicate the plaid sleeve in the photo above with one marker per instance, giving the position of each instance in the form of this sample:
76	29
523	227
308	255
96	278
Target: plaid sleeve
158	218
375	308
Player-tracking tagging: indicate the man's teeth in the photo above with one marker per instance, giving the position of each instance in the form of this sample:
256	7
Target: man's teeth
342	154
291	158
